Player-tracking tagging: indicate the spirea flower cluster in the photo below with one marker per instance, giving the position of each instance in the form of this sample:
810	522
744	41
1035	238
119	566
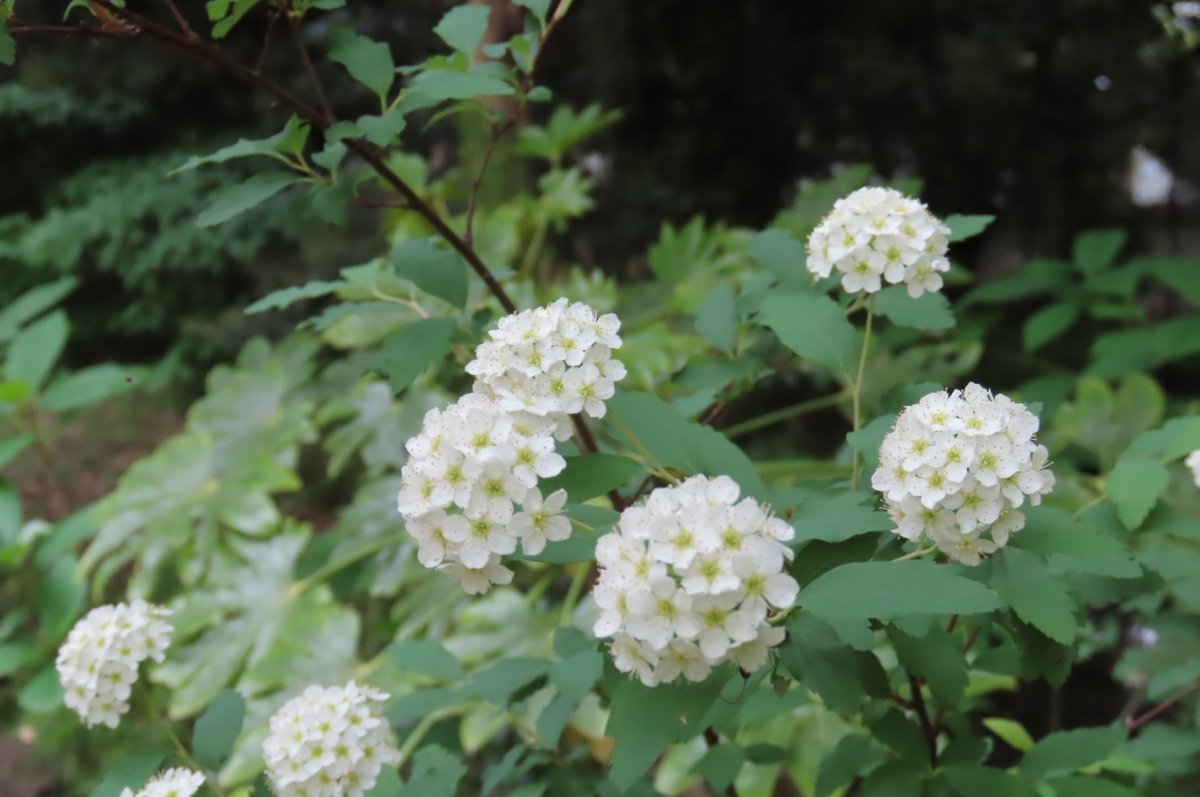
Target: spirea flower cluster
877	234
469	489
98	663
169	783
329	742
687	581
551	361
958	466
1193	463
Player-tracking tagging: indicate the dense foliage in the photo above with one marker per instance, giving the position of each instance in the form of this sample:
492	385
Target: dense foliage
795	547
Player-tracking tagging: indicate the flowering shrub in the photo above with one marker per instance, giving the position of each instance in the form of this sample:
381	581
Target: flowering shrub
543	583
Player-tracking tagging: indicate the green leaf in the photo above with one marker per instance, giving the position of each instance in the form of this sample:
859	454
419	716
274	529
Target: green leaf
130	773
35	350
497	682
929	311
823	664
577	673
227	13
231	200
815	328
853	756
383	130
437	271
591	475
89	386
554	717
31	303
285	297
427	657
1079	786
1181	274
1134	487
369	62
11	448
976	780
435	773
836	518
289	140
539	8
435	85
407	352
938	658
644	720
1145	348
719	766
217	729
653	429
716	317
887	590
1012	732
42	694
60	598
463	27
1036	278
781	254
1070	546
1024	582
8	45
1096	250
1048	323
963	227
869	438
1067	751
15	655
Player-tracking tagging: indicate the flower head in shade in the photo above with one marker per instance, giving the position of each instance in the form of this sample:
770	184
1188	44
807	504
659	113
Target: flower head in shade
687	580
170	783
98	663
957	468
1193	463
877	235
329	742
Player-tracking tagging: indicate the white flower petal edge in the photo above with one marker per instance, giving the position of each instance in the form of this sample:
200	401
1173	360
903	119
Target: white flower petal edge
170	783
1193	463
877	235
98	663
329	742
687	580
957	467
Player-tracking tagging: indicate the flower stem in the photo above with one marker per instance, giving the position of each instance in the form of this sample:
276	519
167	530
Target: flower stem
862	365
917	554
580	577
371	548
795	410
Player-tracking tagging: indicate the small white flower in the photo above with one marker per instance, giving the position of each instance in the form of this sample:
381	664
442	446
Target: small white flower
878	235
1193	463
958	466
329	742
541	521
169	783
98	663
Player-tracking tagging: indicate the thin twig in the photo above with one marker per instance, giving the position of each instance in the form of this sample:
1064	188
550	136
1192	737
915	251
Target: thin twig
495	133
184	27
918	700
1133	723
272	19
310	70
970	643
385	202
785	413
69	30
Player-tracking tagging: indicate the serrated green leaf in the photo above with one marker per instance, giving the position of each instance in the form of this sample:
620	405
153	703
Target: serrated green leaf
781	254
369	62
1095	250
822	663
930	310
653	429
130	773
1144	349
1036	278
227	14
498	681
385	129
1134	486
976	780
1079	786
539	8
463	27
1068	751
963	227
410	350
426	656
437	271
231	200
1070	546
869	438
216	732
88	386
435	773
436	85
291	140
1011	731
815	328
853	756
591	475
554	717
35	350
285	297
719	766
1024	582
938	658
15	655
837	518
1048	323
886	590
716	317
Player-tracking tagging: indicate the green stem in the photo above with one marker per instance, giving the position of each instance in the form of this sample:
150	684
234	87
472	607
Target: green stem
582	570
329	568
422	729
160	717
655	465
539	589
795	410
536	242
1095	501
917	554
862	365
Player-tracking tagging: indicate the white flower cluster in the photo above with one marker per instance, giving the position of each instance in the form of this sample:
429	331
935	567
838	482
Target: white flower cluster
98	663
687	580
472	463
329	743
878	234
1193	463
551	361
169	783
958	466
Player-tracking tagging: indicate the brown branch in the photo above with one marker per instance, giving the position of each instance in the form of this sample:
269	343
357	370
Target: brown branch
918	700
372	202
1133	723
310	70
974	635
272	19
69	30
180	20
